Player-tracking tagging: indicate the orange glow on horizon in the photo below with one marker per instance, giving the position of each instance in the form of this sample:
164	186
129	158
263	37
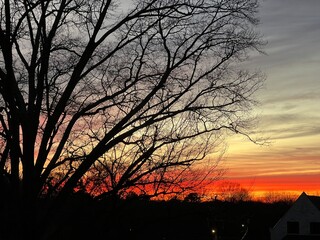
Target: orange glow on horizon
292	184
290	164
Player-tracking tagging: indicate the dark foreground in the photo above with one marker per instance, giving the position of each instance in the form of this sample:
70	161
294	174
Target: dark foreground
142	219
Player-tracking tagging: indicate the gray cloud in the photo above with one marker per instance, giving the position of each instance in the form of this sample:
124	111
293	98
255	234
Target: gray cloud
294	98
291	28
285	126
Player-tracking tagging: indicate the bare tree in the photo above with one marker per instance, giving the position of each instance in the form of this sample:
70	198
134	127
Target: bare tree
233	192
193	197
124	98
279	197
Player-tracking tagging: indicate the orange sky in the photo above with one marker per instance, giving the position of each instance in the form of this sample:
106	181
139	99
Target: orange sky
289	110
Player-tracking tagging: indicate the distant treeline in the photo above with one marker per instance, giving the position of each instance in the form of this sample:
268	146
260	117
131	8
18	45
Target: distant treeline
143	219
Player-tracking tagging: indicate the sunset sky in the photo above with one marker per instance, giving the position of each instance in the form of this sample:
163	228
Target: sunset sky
289	110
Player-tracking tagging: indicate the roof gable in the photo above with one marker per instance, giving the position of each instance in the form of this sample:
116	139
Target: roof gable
315	200
303	200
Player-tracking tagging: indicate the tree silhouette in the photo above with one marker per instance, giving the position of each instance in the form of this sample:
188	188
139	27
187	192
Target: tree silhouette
193	197
233	192
99	97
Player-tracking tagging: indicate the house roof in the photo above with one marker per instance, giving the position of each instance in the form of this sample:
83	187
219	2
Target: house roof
315	200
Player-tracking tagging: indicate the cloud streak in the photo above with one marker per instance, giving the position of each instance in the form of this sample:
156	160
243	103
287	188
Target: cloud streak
289	110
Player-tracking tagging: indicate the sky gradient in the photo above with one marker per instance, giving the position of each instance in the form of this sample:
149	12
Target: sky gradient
289	110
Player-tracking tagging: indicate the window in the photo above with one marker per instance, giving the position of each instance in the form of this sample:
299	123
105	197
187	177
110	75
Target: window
315	227
293	227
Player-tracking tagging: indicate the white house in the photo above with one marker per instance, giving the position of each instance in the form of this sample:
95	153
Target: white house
300	222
